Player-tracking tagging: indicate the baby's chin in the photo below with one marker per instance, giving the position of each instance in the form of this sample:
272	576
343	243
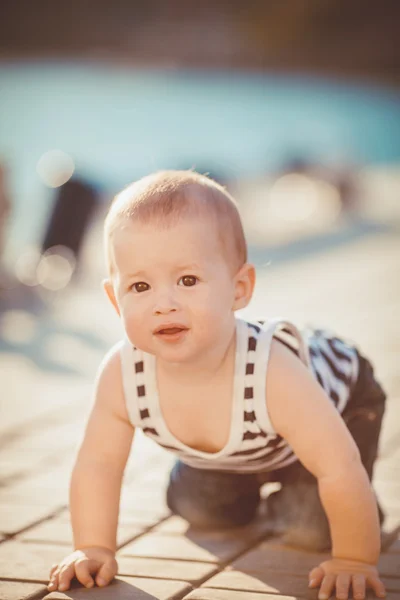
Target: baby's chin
178	355
174	355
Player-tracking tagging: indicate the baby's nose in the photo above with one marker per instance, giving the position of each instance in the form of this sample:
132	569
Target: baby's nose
164	310
165	304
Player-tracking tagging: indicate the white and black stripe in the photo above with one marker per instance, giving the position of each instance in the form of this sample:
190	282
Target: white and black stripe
333	362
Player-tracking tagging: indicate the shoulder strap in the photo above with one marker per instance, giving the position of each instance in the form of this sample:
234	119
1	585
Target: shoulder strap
131	375
261	365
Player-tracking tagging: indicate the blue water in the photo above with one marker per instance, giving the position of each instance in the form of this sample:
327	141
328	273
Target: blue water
119	124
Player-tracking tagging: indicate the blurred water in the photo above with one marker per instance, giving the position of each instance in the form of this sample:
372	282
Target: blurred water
118	124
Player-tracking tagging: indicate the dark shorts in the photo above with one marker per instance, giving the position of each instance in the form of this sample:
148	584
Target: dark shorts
218	499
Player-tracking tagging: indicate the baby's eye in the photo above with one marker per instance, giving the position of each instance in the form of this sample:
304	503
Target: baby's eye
140	286
188	280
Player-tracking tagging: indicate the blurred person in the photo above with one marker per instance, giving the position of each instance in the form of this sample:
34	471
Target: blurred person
6	280
239	402
346	182
75	204
5	208
342	176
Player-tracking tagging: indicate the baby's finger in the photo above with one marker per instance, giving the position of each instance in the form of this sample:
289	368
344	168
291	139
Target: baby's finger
376	584
315	577
83	568
327	586
53	583
66	575
52	570
358	583
107	572
342	586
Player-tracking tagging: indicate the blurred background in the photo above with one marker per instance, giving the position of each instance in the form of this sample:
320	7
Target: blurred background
294	106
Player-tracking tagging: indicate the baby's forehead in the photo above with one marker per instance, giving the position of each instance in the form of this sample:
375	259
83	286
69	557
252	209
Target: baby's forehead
200	229
134	241
125	226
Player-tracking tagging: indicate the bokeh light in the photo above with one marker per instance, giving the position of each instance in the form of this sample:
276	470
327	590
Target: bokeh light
17	326
26	266
55	168
56	268
296	197
52	270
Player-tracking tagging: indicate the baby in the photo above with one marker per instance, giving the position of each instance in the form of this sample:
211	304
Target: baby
239	402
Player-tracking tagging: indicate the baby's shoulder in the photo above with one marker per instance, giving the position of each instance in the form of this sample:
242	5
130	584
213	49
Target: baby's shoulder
110	366
109	387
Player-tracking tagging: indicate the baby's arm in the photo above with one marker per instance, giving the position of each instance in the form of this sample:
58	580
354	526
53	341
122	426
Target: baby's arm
301	412
96	484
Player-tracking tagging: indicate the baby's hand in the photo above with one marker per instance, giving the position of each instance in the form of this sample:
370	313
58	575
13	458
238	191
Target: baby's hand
339	574
82	564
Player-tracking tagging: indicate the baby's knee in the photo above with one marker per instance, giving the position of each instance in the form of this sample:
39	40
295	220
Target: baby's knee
209	500
182	502
209	513
196	516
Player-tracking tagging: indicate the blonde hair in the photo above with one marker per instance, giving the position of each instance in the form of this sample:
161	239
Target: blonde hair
166	196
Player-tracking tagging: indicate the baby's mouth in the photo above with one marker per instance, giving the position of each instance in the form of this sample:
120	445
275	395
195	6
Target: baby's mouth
170	330
171	334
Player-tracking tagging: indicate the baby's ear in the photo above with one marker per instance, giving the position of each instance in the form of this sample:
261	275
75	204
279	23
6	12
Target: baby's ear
109	290
245	280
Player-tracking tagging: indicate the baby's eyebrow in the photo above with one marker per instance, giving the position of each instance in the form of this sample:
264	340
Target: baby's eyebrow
179	268
187	267
136	274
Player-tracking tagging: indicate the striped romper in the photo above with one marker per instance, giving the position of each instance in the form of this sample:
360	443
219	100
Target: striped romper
253	445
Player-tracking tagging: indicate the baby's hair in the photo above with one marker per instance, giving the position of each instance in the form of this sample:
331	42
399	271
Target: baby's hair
164	197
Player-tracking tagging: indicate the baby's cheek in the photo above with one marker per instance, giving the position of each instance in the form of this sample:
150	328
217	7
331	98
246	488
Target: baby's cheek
212	314
218	305
134	323
138	337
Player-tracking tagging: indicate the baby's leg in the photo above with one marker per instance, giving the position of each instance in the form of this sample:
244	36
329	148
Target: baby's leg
364	413
296	509
212	499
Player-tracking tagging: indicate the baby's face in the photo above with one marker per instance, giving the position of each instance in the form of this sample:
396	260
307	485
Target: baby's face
174	288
